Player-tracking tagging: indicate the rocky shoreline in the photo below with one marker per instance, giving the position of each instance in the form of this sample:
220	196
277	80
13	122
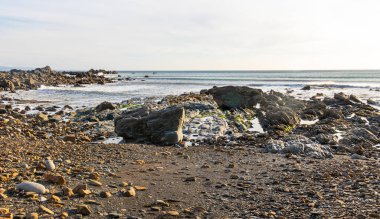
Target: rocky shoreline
233	152
33	79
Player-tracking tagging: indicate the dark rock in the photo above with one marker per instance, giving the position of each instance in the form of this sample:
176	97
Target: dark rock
230	97
332	114
354	99
105	106
7	85
359	137
161	127
306	87
328	139
282	119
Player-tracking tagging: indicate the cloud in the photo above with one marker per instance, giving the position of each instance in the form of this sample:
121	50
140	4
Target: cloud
190	34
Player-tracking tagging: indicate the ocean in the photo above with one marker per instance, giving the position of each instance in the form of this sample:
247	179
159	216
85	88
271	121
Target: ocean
363	83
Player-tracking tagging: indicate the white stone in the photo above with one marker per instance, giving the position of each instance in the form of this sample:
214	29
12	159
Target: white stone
49	165
31	187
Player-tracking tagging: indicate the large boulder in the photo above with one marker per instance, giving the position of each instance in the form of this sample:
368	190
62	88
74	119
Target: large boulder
231	97
159	127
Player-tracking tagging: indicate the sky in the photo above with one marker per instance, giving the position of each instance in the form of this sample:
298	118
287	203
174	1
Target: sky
190	34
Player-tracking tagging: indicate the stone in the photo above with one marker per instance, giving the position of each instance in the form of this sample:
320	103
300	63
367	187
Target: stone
232	97
67	192
71	138
84	210
129	192
105	194
80	187
49	164
42	117
56	179
3	196
104	106
31	187
55	199
140	188
94	183
306	87
94	176
173	213
160	127
282	118
45	209
328	139
359	137
297	145
190	179
32	215
371	101
355	99
4	211
358	157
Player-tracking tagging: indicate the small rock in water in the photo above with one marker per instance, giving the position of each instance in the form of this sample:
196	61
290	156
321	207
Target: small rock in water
31	187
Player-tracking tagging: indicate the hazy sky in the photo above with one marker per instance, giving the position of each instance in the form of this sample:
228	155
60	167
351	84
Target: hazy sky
190	34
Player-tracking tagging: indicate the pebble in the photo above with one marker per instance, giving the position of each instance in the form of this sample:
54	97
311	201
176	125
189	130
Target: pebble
173	213
4	211
31	187
33	215
67	192
357	157
104	194
84	210
45	209
95	183
129	191
140	188
49	164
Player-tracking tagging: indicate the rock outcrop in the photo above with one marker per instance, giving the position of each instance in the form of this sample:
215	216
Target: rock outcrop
159	127
230	97
32	79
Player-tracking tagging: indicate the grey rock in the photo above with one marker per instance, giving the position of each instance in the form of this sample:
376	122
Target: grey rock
297	144
161	127
31	187
230	97
105	106
49	165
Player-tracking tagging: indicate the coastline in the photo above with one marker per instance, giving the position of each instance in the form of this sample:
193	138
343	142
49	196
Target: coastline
220	169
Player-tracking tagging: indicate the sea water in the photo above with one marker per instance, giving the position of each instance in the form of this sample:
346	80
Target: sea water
364	84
